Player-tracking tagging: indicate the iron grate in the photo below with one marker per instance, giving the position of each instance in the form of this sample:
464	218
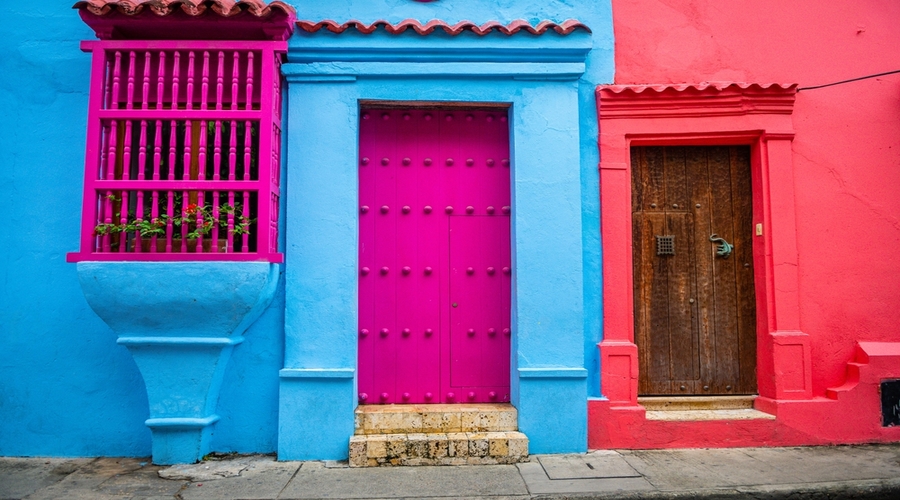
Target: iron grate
665	245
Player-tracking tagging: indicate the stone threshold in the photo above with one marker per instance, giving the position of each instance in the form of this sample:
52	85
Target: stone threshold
438	418
686	403
701	415
701	408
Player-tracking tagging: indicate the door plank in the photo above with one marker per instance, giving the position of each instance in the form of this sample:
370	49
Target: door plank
408	370
641	280
682	340
637	176
743	255
653	183
676	191
385	374
430	232
366	259
655	290
724	284
465	309
700	194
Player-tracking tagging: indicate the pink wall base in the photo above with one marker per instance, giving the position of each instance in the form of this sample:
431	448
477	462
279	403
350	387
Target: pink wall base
850	413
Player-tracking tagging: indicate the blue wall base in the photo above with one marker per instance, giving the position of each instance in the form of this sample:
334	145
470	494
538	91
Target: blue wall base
180	440
180	321
552	409
183	376
316	414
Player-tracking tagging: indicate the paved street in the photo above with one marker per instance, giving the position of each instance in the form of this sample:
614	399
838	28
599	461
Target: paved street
871	471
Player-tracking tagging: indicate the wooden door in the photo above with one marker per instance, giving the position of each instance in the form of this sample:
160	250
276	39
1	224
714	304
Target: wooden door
435	272
694	309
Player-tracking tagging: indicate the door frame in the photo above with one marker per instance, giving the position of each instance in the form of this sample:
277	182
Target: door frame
705	115
444	340
329	76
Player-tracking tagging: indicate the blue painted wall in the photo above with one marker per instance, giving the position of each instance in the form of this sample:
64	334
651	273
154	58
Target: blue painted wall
553	142
600	68
66	387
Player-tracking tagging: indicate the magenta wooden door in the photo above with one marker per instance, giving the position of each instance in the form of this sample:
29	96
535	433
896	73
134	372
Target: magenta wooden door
434	253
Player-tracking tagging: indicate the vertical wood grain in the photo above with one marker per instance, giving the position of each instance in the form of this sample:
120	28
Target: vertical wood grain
694	311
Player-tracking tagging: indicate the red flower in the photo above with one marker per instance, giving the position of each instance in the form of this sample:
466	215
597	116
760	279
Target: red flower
192	207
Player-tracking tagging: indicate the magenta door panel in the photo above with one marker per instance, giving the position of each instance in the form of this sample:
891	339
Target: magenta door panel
434	231
478	285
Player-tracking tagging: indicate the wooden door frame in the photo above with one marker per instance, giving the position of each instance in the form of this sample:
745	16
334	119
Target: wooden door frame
705	115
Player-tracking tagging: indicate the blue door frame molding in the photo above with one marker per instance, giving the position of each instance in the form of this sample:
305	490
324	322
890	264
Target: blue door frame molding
329	76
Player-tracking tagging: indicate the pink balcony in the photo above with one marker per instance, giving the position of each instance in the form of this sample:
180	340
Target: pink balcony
183	151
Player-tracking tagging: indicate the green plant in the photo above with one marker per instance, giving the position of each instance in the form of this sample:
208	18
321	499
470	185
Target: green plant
199	220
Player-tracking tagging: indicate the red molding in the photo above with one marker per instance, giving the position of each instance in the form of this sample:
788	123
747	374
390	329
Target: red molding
697	87
704	99
188	19
758	115
564	28
224	8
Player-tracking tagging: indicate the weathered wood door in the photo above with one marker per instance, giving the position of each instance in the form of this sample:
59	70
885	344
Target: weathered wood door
435	272
694	309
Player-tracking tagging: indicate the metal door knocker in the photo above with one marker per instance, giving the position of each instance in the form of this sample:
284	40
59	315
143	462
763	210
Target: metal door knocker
724	249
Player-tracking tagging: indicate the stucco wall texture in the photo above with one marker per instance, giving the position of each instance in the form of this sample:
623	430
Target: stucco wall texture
845	152
66	387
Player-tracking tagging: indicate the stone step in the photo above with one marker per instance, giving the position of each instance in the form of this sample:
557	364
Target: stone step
691	403
451	448
439	418
698	415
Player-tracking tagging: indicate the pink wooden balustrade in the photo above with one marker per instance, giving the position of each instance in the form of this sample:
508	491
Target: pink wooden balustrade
186	130
435	272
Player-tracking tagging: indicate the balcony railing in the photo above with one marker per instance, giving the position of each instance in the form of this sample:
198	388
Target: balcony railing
183	151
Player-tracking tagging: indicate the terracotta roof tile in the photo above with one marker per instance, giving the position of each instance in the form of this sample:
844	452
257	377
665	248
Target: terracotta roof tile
511	28
694	99
698	87
225	8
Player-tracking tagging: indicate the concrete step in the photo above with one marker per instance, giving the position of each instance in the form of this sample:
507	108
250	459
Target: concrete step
438	448
693	403
440	418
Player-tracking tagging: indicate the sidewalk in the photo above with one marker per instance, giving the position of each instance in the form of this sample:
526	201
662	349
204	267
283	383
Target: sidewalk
871	471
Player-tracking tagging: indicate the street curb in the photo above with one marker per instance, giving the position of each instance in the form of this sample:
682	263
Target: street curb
876	489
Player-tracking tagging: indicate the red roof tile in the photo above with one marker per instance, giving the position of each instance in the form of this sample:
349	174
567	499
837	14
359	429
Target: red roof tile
225	8
694	99
511	28
697	87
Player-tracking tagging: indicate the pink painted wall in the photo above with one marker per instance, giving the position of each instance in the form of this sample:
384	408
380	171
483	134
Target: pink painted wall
846	152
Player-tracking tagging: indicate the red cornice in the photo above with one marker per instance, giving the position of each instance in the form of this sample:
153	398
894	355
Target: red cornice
564	28
703	99
224	8
188	19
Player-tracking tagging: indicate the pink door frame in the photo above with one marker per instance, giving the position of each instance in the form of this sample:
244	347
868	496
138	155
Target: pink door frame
435	256
722	114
